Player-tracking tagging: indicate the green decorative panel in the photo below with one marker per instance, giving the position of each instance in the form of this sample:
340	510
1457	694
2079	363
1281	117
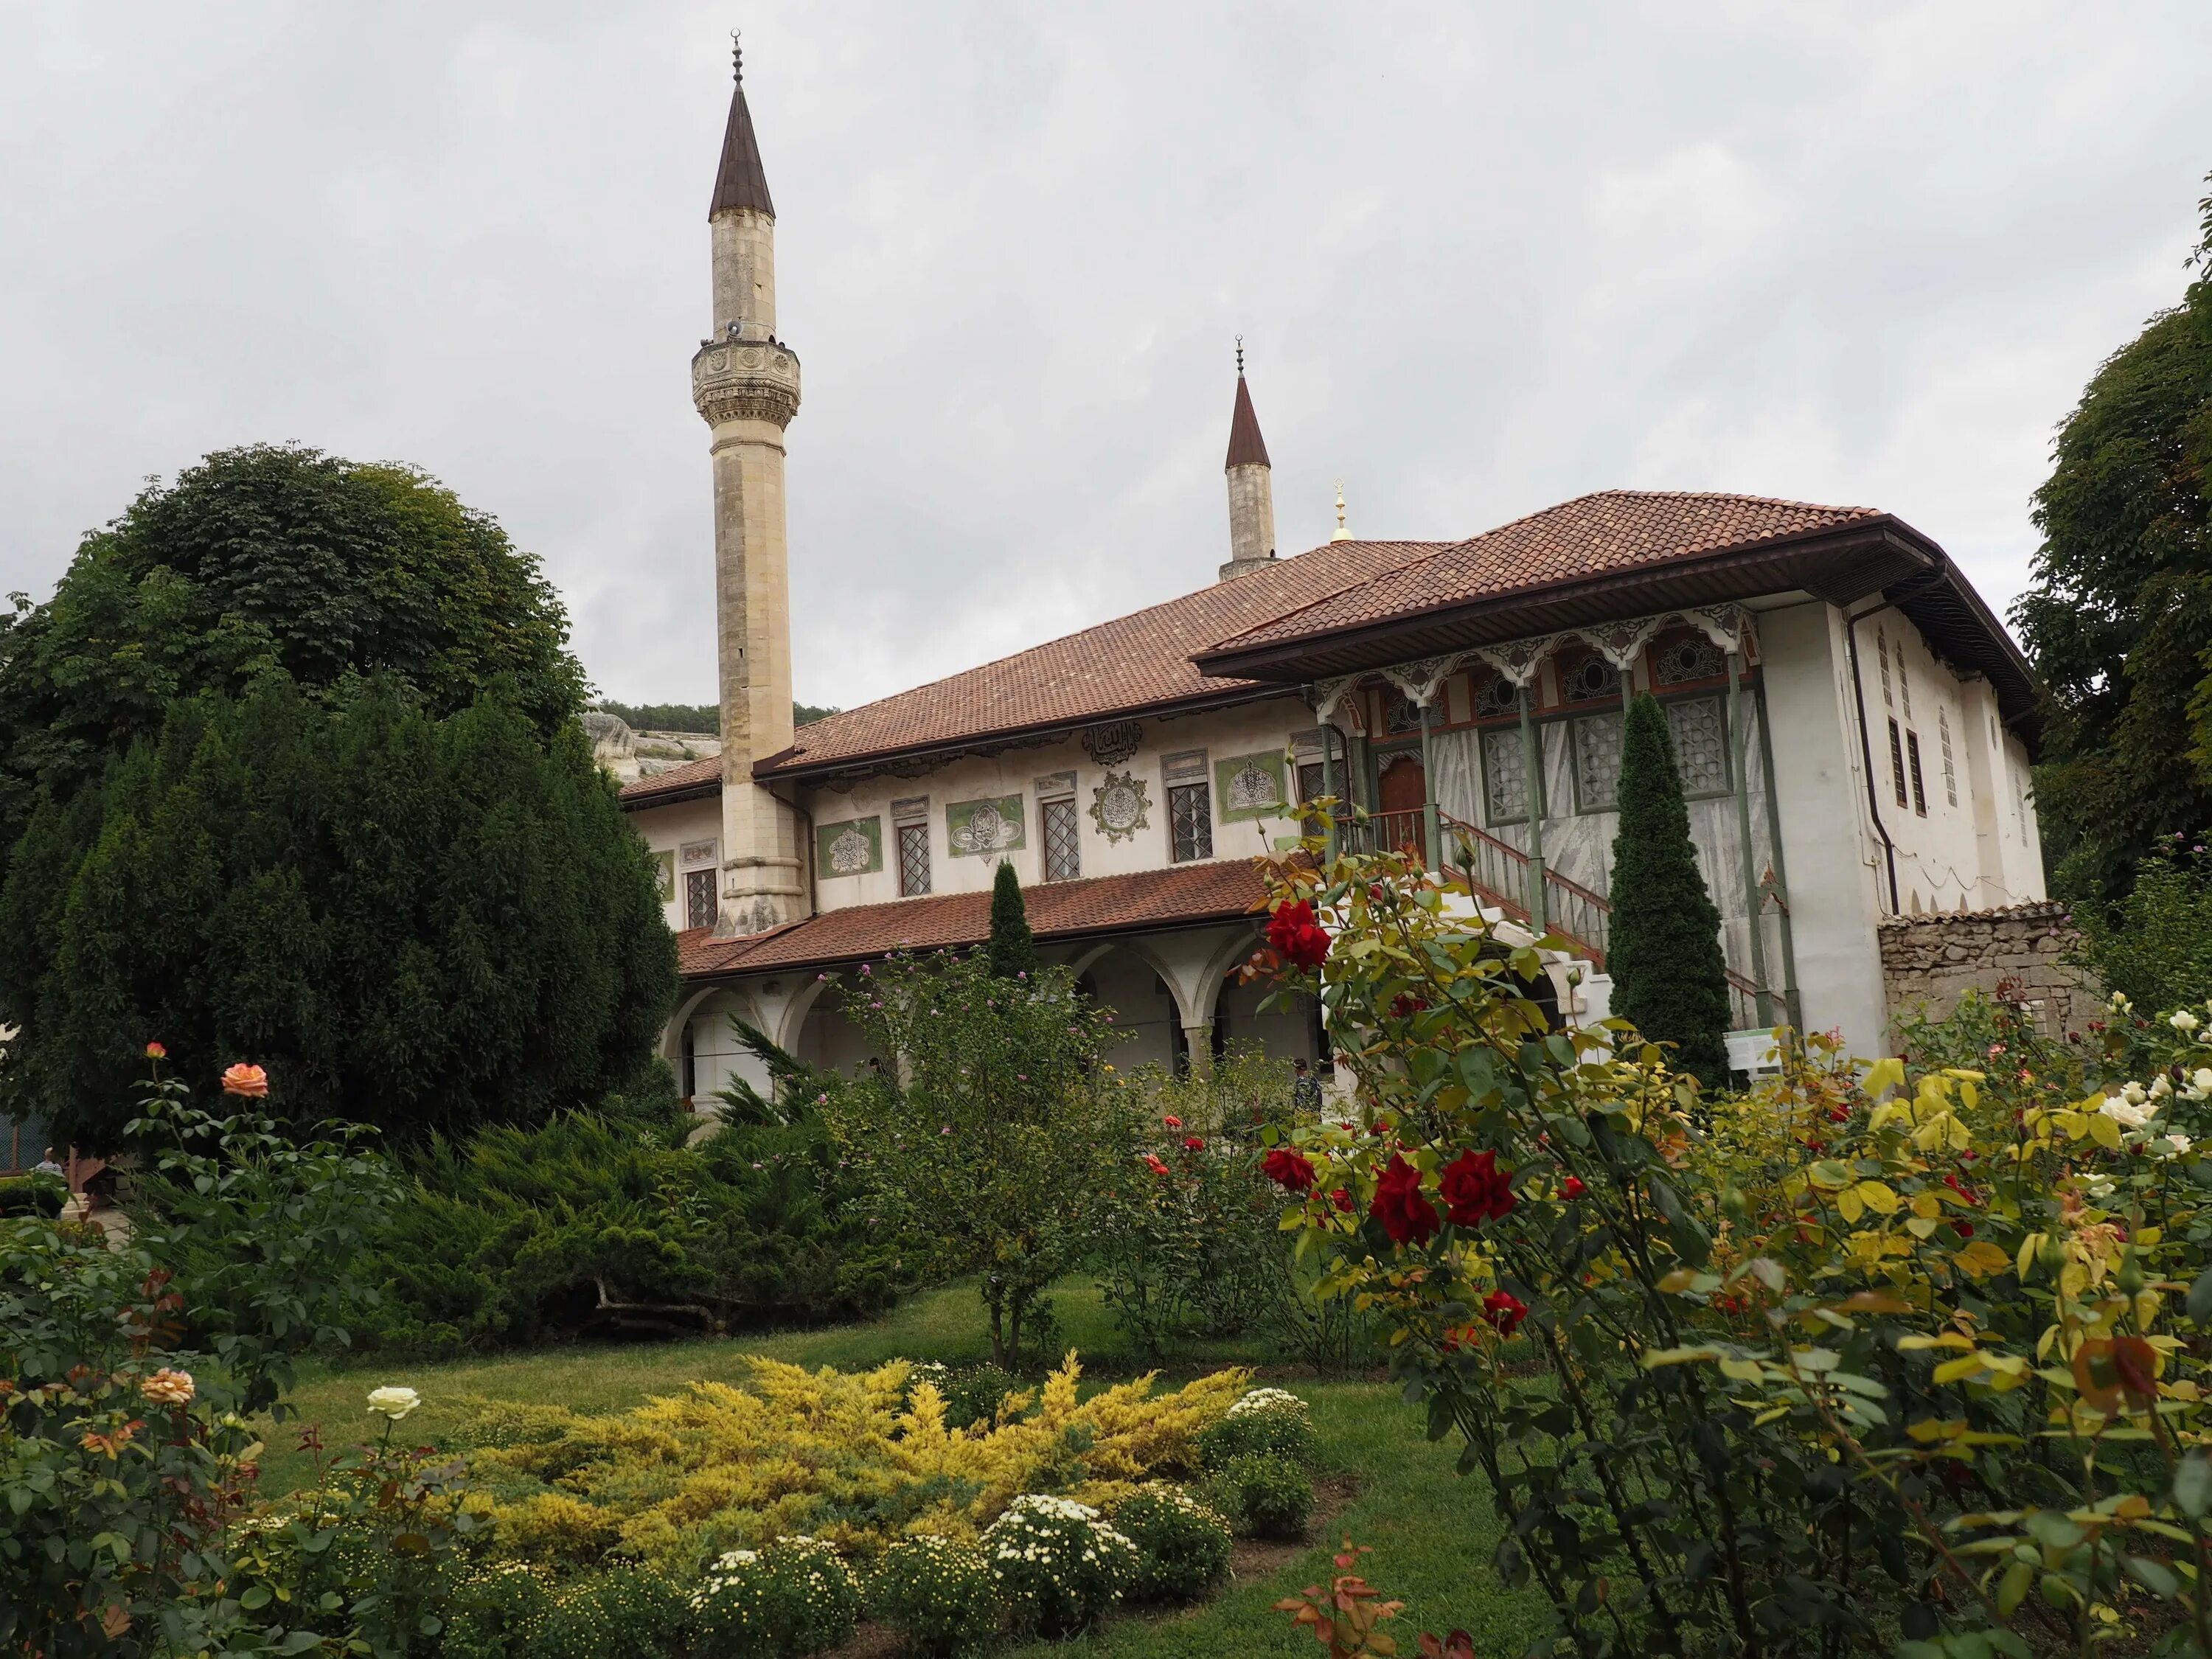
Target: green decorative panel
1250	786
663	875
985	827
854	847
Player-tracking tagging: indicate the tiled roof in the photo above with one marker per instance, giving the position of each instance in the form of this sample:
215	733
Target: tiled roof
1597	535
2026	910
1246	446
740	182
692	775
1057	909
1128	665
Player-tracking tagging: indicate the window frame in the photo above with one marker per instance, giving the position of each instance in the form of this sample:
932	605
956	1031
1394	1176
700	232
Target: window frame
912	836
1202	841
1059	808
1897	762
1505	735
1912	762
693	879
1576	724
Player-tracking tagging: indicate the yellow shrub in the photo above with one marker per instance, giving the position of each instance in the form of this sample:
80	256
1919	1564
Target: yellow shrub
850	1457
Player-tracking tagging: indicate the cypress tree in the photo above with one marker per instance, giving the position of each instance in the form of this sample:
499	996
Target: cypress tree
1664	954
1013	947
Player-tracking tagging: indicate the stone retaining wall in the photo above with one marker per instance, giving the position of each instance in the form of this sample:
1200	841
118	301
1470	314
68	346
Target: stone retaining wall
2018	954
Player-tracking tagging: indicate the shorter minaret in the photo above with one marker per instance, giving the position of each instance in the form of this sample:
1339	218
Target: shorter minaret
1342	532
1251	486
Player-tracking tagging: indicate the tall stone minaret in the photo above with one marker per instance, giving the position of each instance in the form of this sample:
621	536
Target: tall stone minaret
1251	487
745	384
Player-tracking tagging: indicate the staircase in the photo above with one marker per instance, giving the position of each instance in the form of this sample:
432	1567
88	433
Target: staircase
1497	873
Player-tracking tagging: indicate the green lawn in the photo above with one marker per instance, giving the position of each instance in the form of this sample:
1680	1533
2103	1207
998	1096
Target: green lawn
1433	1532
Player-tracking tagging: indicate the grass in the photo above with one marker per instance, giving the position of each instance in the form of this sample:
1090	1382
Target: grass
1433	1532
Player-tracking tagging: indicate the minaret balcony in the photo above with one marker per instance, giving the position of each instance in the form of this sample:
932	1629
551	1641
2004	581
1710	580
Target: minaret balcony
741	379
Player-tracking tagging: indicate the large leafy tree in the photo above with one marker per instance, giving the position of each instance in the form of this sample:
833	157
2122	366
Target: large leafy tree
2119	617
418	921
270	558
1663	949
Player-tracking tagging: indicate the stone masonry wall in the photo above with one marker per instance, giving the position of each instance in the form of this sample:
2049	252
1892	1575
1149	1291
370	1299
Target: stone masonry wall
2018	954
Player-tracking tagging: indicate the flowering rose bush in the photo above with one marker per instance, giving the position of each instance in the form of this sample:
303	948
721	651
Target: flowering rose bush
1057	1562
127	1376
1918	1347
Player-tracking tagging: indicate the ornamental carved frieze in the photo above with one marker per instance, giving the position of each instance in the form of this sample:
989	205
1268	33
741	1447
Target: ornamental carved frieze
745	381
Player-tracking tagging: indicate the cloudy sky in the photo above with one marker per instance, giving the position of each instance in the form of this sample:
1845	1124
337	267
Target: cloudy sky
1484	256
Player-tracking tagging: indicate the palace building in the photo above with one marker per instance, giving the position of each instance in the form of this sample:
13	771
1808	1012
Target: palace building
1853	725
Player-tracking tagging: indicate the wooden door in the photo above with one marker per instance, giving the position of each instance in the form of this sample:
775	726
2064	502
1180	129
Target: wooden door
1401	798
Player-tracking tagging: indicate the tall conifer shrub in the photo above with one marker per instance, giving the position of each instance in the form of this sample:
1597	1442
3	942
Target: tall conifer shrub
1013	947
1664	954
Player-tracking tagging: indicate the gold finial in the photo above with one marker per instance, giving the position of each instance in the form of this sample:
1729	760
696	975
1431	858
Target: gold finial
1341	533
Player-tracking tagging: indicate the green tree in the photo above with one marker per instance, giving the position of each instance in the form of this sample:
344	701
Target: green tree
1663	950
414	921
2118	618
1012	949
270	558
988	1136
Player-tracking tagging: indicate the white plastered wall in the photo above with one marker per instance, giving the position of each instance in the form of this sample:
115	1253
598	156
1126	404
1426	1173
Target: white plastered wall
1828	845
670	830
1266	726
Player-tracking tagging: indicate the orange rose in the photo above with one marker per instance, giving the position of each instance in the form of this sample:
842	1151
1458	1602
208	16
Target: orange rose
244	1079
155	1051
169	1388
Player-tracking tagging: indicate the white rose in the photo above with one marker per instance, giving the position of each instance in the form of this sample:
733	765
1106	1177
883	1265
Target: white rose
2132	1093
2179	1143
2183	1021
2202	1077
394	1403
2160	1086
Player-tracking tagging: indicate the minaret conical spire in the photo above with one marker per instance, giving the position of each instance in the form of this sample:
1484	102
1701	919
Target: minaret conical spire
740	182
1251	487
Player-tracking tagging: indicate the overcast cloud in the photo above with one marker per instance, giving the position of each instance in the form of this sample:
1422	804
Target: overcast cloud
1485	256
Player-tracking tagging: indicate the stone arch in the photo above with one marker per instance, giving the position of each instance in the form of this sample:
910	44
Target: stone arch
821	1034
1127	983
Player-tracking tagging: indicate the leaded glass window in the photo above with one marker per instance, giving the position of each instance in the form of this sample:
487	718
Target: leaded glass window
1588	679
1504	776
1190	821
1904	683
1063	846
699	898
1913	757
1897	762
1699	730
1882	650
913	859
1685	658
1597	763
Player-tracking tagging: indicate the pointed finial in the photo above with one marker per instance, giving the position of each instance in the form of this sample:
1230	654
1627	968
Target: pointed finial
1341	534
738	55
1240	357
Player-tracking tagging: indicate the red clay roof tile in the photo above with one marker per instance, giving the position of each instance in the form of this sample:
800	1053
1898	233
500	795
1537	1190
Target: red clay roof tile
696	775
1595	535
1122	667
1060	909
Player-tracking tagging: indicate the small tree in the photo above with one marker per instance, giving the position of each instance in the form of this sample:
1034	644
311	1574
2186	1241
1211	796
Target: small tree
417	922
986	1130
1669	977
1013	947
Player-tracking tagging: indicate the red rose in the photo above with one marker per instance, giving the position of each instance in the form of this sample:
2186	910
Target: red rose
1407	1217
155	1051
1290	1169
1406	1004
1294	930
1573	1187
1505	1310
1839	1114
1194	1143
1964	1229
1342	1198
1172	1121
1154	1164
1475	1190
